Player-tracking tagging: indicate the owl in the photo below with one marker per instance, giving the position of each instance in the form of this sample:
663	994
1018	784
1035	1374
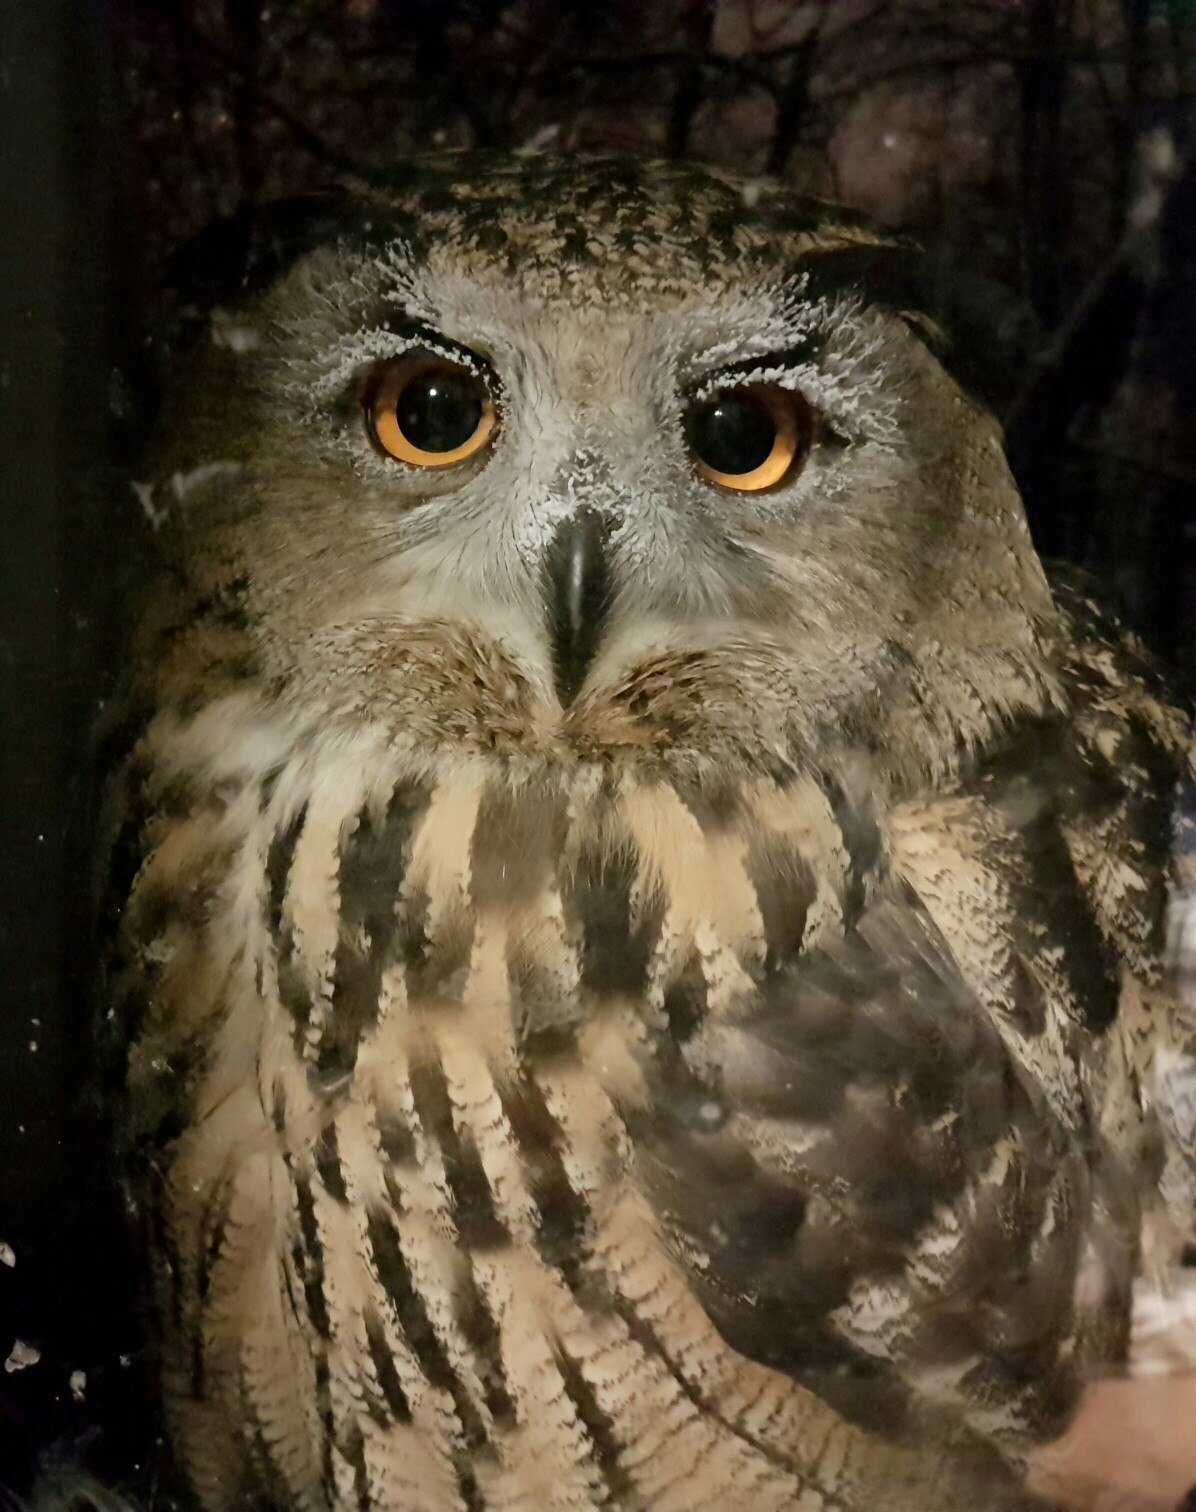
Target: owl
637	920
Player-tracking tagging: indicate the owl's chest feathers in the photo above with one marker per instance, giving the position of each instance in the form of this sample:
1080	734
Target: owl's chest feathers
529	915
338	906
420	1031
428	1009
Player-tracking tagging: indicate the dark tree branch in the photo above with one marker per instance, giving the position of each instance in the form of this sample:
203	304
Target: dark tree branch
793	103
302	133
243	18
691	78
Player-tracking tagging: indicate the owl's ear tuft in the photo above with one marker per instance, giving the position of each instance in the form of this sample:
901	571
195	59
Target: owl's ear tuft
242	253
982	333
230	259
980	330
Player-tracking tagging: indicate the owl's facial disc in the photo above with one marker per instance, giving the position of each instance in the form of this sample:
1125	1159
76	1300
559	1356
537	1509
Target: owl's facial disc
557	448
678	485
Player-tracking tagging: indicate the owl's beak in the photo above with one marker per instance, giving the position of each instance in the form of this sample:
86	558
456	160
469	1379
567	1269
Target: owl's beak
577	587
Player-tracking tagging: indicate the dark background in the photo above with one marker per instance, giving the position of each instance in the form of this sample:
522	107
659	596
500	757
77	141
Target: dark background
1042	148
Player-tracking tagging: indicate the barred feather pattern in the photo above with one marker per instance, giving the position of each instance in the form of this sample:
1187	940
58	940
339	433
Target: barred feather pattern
520	1135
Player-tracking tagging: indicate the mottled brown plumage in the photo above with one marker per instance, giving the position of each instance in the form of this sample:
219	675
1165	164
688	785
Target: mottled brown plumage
730	1087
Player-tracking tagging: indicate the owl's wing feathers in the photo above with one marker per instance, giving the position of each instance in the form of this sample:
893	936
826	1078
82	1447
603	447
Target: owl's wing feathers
1128	841
914	1175
871	1195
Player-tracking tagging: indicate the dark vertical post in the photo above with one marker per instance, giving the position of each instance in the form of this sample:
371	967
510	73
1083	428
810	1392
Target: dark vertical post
39	305
1042	82
57	394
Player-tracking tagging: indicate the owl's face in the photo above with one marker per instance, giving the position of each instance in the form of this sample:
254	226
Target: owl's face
567	460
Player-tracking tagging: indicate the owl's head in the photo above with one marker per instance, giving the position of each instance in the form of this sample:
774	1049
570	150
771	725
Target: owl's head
591	460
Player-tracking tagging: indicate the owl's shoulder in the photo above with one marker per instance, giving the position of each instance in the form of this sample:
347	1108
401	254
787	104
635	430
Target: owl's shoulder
1110	677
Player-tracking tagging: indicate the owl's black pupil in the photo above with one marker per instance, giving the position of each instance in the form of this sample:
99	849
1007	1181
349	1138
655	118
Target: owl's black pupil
731	432
439	409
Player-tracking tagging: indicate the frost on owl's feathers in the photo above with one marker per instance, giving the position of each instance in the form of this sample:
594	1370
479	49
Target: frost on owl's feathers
637	989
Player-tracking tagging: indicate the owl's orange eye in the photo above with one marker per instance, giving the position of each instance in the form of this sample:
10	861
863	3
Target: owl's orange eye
751	437
429	412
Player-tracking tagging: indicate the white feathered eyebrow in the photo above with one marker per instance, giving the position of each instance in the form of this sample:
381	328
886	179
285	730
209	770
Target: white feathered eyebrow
847	410
390	336
420	335
765	368
829	350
